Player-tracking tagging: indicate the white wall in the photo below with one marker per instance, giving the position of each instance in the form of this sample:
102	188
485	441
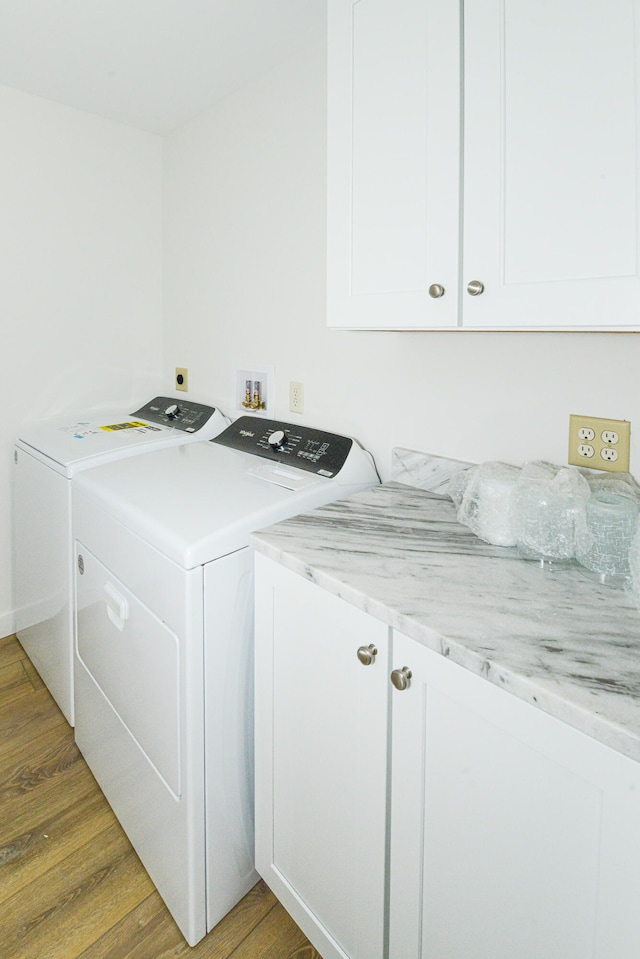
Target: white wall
244	266
80	281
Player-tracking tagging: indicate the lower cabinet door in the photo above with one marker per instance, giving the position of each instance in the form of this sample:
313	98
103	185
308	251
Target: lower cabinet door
512	834
321	762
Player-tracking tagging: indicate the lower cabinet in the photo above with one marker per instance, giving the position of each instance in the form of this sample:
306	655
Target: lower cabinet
512	834
445	819
321	762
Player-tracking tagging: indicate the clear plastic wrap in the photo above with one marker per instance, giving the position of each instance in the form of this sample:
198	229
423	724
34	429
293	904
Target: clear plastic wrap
611	518
622	483
555	515
633	583
483	495
549	505
457	484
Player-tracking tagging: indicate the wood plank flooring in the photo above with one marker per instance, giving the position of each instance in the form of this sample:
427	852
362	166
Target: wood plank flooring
71	885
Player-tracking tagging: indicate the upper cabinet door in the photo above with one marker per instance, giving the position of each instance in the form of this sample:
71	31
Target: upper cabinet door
393	163
551	164
483	174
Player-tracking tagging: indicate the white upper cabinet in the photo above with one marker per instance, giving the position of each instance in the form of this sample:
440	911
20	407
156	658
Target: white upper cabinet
483	173
393	162
551	166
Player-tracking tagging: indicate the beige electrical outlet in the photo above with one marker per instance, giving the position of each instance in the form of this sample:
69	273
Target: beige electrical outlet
599	444
296	397
182	378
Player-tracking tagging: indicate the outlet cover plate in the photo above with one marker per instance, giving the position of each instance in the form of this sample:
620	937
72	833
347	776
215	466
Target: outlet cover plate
182	372
586	451
296	397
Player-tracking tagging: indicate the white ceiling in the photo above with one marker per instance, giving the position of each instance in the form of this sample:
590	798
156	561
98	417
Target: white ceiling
152	64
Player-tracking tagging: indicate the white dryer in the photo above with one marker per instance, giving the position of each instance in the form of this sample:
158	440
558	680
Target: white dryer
164	648
46	456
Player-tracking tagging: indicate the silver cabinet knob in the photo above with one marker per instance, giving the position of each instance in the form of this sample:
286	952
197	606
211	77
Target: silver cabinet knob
367	654
436	290
475	288
401	678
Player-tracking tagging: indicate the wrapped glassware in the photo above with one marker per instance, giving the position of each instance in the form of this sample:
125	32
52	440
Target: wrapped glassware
484	500
611	518
634	566
549	505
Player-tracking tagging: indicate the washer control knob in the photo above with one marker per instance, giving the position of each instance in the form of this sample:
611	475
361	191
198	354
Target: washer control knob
278	440
172	411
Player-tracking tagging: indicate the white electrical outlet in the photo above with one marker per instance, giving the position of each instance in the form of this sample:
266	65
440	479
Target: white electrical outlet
296	397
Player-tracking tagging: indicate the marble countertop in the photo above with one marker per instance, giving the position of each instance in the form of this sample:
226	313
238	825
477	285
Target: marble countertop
555	639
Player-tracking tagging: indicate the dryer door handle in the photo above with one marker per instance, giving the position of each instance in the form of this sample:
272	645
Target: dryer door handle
117	606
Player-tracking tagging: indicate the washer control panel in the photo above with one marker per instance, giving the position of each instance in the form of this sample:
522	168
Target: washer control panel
304	447
178	415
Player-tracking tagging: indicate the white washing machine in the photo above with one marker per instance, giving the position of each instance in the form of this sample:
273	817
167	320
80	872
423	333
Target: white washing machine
164	647
46	456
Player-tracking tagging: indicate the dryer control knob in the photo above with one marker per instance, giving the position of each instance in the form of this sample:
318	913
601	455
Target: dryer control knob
278	439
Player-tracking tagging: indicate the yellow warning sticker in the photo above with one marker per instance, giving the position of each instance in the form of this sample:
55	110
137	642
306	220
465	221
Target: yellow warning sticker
131	425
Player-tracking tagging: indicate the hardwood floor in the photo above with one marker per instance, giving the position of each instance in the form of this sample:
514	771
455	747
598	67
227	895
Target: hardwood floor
71	885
